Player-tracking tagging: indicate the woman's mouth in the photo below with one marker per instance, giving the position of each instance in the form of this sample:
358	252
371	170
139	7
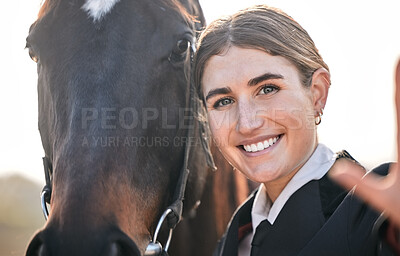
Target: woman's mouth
259	146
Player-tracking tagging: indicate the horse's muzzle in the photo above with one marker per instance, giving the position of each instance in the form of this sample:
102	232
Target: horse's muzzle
49	243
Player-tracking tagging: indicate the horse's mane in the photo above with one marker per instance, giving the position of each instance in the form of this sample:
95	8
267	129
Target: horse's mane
47	5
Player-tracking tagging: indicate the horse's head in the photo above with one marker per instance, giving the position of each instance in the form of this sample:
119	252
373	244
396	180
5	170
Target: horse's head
113	87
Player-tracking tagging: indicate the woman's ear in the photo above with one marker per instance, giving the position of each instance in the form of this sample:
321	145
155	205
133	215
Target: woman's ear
320	83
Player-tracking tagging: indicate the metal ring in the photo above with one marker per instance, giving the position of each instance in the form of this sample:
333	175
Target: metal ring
160	222
158	228
169	240
44	206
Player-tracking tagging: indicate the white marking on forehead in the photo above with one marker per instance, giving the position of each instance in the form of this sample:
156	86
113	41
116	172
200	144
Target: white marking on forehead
98	8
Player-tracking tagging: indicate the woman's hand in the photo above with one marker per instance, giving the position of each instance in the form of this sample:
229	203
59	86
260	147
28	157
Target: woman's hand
382	193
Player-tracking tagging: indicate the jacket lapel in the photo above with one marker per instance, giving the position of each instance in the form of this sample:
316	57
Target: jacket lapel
297	223
240	218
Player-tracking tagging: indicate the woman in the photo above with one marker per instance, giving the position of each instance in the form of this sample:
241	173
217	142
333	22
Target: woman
265	86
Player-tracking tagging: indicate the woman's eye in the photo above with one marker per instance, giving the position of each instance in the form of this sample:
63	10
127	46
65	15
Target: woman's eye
267	89
222	102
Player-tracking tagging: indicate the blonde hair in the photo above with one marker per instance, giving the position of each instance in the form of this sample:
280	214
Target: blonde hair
264	28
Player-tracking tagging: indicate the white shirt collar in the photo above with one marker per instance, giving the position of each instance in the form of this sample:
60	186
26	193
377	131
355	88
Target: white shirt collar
314	169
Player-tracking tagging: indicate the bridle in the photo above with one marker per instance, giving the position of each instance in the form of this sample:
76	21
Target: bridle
173	213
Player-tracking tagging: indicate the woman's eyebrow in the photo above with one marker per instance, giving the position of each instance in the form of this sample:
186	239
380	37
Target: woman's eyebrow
217	91
263	77
251	82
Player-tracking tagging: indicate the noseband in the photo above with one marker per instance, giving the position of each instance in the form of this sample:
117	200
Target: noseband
173	214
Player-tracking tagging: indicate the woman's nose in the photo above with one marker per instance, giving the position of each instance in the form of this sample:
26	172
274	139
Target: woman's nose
249	118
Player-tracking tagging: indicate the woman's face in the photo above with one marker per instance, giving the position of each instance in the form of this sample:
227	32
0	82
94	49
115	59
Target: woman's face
261	116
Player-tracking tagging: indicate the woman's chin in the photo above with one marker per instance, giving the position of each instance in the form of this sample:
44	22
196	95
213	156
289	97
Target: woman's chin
264	175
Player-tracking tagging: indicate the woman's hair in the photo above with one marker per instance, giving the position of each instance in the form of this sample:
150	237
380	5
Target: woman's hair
263	28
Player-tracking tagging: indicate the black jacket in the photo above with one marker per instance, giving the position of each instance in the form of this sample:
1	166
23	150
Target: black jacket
318	219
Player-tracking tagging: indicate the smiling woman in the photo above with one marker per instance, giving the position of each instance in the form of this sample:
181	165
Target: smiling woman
267	132
265	86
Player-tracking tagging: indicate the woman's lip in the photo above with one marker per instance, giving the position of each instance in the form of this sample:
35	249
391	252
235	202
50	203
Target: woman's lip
258	139
261	152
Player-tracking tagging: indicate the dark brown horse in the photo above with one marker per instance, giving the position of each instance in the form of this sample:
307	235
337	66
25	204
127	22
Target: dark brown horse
121	128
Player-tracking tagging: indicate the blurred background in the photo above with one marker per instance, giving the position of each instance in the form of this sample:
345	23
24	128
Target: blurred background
359	40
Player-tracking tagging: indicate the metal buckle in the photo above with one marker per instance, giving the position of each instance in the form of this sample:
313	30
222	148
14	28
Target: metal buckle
154	247
43	198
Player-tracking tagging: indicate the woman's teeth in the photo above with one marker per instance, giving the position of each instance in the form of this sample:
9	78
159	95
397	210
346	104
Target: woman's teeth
261	145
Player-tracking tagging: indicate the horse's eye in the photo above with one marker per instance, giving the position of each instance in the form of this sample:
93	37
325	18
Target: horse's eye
182	46
180	50
32	53
33	56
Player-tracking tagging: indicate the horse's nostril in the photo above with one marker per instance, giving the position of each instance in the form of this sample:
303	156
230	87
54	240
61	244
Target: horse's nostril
37	251
36	247
115	250
123	249
123	246
41	251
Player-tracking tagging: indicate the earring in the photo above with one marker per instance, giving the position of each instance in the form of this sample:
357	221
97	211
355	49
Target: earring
318	117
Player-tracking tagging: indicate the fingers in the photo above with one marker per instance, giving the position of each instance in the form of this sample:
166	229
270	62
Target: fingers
397	98
368	187
381	192
346	173
398	74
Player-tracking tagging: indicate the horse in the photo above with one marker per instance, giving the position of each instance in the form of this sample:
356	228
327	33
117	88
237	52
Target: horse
127	147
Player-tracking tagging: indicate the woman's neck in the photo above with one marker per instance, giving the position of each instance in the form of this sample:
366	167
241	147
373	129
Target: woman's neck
274	188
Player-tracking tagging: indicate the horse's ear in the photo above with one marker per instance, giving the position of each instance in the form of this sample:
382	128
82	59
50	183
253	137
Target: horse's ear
45	8
198	13
194	9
